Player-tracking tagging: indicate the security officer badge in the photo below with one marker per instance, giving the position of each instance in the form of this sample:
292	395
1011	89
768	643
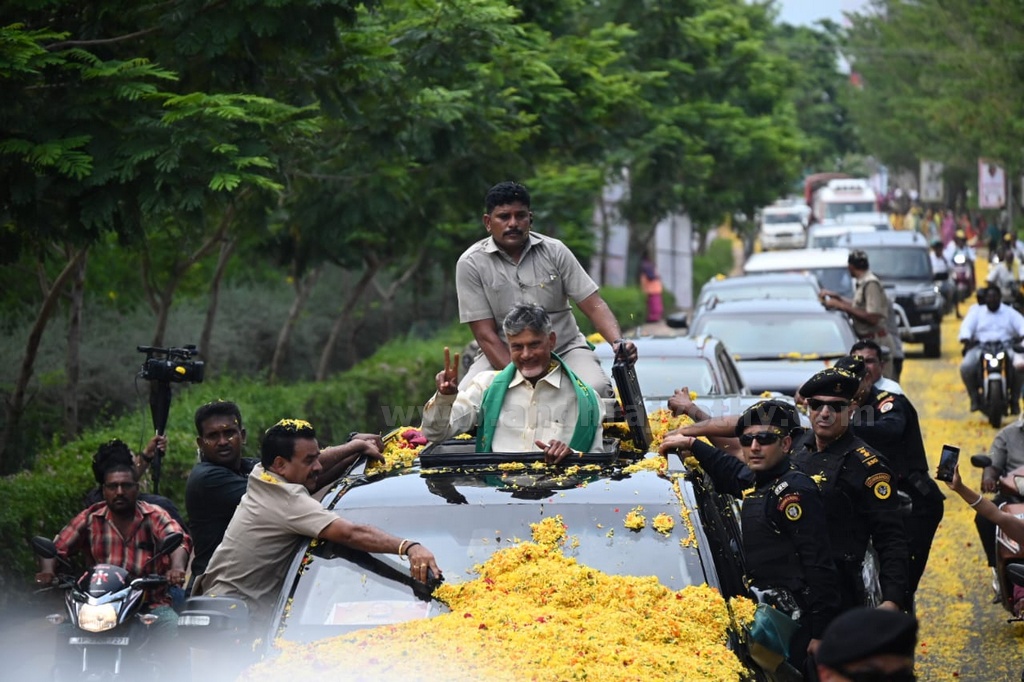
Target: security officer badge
880	485
789	504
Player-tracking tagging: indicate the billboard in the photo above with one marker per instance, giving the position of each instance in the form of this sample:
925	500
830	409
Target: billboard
933	189
991	184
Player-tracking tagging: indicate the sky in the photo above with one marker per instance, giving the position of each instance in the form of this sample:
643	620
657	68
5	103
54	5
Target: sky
806	12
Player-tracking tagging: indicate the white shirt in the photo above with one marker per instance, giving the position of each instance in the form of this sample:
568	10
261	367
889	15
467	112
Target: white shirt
1002	277
985	325
886	384
939	264
952	248
543	412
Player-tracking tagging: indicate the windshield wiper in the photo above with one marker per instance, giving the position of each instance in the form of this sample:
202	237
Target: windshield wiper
422	591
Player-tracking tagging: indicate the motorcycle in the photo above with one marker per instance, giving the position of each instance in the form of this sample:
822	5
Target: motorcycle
997	381
1009	553
108	635
963	280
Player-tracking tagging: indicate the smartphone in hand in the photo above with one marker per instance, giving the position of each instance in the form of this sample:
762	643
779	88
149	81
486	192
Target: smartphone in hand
947	463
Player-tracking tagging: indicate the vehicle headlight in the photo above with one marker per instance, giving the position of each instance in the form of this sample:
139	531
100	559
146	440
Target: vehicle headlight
959	259
1000	355
925	299
97	618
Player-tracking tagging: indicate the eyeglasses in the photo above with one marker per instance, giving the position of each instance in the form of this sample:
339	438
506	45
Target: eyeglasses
834	405
879	676
126	486
762	437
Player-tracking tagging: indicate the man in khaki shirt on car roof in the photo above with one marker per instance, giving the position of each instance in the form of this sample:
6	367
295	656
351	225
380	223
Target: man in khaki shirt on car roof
514	265
870	309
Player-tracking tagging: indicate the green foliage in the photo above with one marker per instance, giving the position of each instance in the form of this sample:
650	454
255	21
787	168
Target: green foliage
717	260
627	303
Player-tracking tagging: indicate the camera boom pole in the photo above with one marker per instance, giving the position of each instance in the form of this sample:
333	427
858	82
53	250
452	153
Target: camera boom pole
160	407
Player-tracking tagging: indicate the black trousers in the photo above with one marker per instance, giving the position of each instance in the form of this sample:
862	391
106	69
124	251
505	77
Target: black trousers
920	526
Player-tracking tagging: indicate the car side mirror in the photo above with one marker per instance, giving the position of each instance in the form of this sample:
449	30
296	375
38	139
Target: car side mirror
941	276
677	321
981	461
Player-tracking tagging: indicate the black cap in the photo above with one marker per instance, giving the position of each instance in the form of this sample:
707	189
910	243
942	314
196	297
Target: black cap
769	413
832	381
858	259
853	365
861	633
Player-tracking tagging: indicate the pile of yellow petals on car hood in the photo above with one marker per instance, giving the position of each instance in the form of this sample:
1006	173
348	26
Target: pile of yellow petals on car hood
535	614
399	450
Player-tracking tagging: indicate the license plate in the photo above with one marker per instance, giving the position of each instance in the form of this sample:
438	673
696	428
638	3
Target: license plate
96	641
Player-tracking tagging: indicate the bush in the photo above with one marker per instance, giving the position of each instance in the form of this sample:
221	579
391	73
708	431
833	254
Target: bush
382	392
717	260
629	306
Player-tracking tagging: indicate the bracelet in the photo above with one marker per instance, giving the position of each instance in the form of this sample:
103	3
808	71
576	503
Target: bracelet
977	501
408	547
401	546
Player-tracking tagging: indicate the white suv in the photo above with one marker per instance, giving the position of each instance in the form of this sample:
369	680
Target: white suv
782	227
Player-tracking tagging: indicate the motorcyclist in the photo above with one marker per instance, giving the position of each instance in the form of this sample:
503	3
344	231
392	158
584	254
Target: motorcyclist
994	321
1007	454
124	531
959	247
1003	274
941	272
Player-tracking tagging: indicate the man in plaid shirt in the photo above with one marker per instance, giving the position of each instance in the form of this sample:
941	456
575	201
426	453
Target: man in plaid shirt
124	531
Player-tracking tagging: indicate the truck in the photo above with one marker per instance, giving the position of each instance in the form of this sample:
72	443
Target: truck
842	196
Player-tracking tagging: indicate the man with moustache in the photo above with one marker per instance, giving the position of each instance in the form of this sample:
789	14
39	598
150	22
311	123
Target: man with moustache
858	488
277	514
216	484
124	531
514	265
535	403
785	537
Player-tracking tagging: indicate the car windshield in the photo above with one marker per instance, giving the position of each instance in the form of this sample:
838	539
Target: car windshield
335	595
834	279
766	336
837	209
659	377
804	290
778	218
896	263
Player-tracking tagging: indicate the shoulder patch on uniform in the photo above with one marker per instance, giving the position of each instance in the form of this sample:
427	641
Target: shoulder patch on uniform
872	480
882	490
790	507
882	395
886	405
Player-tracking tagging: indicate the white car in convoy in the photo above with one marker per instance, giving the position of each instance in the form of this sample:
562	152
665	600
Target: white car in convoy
782	227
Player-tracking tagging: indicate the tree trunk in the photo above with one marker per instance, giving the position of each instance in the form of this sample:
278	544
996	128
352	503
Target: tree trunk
161	298
303	288
227	248
74	347
387	296
16	402
372	268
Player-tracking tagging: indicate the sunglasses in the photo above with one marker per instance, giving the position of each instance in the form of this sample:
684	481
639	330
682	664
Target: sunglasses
762	437
834	405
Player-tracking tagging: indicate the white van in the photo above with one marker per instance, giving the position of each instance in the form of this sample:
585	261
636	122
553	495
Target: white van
828	265
782	227
843	196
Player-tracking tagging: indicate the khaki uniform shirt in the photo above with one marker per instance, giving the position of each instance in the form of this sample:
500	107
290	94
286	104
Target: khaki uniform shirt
273	519
869	296
489	284
546	411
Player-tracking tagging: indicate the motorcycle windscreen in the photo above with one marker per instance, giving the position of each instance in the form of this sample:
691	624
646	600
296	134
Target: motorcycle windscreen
103	579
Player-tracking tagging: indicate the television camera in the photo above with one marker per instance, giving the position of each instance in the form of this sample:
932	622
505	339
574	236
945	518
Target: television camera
162	367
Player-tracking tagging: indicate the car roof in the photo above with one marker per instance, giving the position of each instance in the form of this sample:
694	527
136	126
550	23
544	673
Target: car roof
894	238
829	229
765	278
677	346
795	259
768	306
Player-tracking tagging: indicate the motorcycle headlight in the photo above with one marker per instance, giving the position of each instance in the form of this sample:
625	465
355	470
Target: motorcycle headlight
1000	355
959	259
97	618
925	299
993	363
